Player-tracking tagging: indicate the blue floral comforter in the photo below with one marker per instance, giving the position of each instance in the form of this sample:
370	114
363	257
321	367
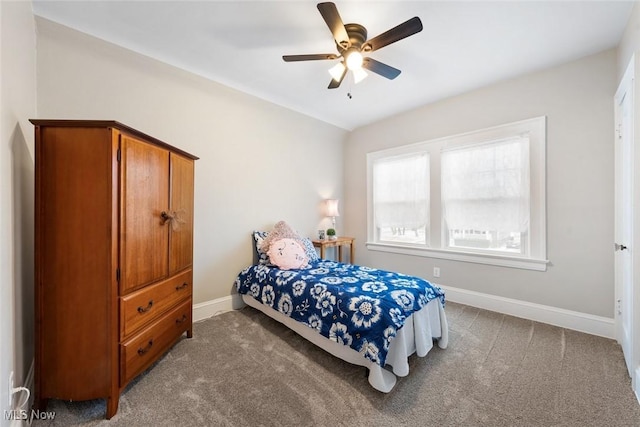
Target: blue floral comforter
358	306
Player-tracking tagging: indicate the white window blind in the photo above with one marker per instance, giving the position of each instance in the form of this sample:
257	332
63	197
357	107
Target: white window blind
486	195
401	198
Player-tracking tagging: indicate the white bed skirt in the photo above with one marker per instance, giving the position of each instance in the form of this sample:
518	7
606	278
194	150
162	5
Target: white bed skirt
416	336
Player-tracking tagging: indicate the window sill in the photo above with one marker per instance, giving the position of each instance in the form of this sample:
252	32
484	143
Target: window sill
489	259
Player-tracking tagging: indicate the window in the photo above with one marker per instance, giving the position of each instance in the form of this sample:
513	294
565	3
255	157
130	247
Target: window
401	198
485	195
477	197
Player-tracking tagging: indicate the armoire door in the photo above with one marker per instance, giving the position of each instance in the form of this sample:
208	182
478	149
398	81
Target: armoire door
144	197
181	230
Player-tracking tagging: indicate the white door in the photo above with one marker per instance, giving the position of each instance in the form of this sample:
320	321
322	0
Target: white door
624	147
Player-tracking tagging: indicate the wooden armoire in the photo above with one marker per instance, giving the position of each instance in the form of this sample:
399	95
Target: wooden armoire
113	256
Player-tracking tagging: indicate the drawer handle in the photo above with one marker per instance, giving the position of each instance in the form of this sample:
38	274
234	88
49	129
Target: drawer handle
182	319
145	309
181	287
142	351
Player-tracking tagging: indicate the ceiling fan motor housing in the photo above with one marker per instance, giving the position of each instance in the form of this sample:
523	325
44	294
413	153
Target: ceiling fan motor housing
357	36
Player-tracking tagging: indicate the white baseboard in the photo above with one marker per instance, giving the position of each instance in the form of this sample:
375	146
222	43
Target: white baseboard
588	323
18	423
204	310
636	384
577	321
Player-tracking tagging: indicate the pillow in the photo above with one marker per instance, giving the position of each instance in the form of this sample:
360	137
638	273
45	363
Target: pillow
263	239
287	254
280	231
258	238
309	249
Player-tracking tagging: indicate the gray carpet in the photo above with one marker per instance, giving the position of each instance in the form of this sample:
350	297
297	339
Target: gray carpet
244	369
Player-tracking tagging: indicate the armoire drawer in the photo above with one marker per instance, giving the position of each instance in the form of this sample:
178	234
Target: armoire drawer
144	348
139	308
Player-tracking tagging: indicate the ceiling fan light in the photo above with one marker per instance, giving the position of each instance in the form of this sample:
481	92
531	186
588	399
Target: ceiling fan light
336	71
354	60
359	75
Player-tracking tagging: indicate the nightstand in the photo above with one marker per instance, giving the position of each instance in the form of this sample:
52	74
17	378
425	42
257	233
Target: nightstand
339	242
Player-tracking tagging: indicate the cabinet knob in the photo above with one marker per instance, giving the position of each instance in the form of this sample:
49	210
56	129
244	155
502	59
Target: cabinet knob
181	287
182	319
174	218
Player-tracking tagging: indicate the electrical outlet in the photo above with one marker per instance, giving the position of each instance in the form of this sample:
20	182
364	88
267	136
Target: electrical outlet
436	271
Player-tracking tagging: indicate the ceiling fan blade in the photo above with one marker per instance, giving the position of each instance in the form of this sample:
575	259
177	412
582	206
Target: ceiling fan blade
336	83
380	68
312	57
406	29
331	16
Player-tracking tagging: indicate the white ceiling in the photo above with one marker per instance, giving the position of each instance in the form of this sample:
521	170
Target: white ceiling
464	45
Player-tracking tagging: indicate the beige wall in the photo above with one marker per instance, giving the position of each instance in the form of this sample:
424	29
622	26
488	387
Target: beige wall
259	163
577	100
17	105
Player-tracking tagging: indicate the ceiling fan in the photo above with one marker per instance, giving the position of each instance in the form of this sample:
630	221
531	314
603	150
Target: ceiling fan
351	41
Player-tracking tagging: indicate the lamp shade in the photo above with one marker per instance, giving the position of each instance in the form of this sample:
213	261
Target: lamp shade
359	75
331	207
337	71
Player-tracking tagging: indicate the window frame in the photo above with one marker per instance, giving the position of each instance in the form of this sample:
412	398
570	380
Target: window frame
435	246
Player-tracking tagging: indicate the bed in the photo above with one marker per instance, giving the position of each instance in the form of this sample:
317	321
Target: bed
365	316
